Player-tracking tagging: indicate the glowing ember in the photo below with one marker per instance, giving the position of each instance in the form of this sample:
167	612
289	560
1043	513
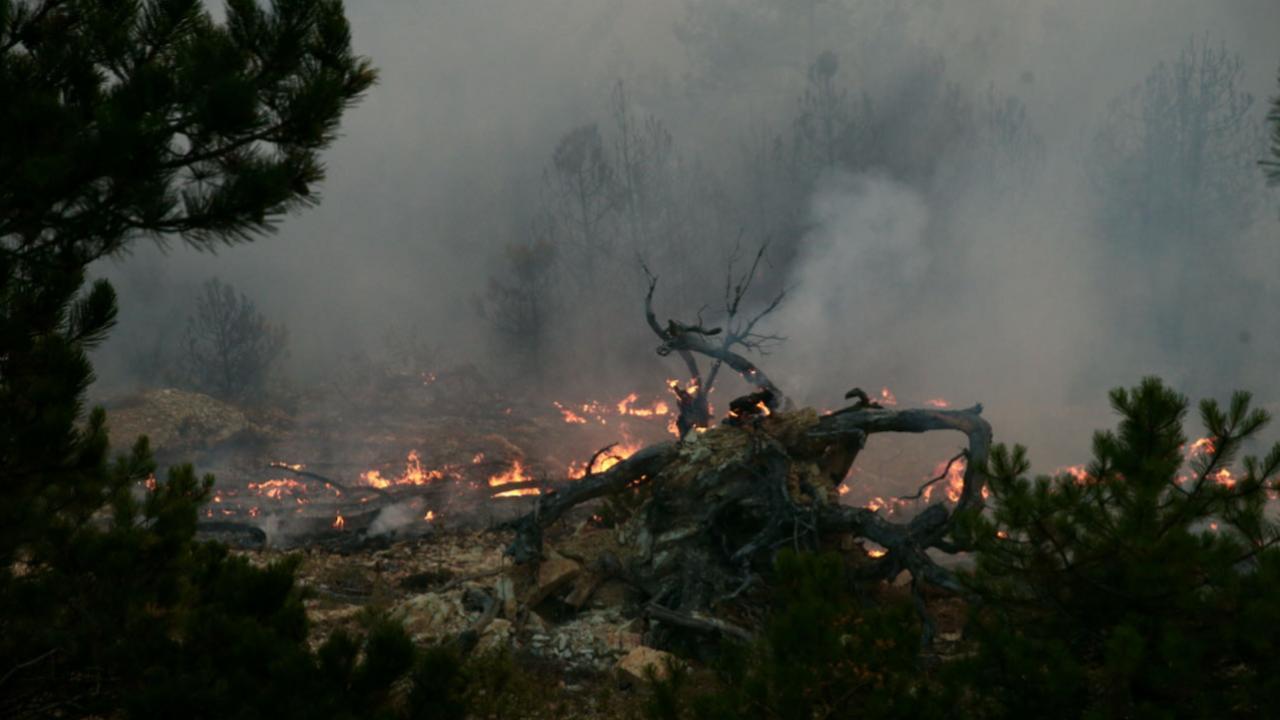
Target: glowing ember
1201	447
1077	472
570	416
339	522
621	452
150	482
277	489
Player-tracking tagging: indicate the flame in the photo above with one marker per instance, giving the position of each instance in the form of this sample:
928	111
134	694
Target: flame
1002	534
937	402
278	488
764	409
570	416
1201	447
430	516
1224	478
288	466
477	459
1077	472
954	480
514	474
339	522
414	474
150	482
621	452
887	398
877	552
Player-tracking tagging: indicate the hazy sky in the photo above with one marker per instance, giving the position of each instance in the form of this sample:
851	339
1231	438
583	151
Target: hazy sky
440	167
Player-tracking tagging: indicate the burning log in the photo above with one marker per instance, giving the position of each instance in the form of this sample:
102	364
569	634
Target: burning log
720	504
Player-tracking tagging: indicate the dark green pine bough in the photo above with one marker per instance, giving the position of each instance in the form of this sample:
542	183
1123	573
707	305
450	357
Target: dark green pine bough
122	120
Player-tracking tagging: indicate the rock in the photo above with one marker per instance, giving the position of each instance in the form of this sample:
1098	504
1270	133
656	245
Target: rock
584	586
505	590
429	615
554	574
496	636
536	624
634	667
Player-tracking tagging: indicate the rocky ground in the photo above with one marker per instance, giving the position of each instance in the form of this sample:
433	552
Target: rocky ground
587	663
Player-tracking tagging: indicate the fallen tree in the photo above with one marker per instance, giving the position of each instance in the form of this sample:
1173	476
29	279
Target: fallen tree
716	505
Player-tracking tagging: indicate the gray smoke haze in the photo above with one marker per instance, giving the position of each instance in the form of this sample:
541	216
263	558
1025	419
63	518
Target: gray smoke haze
969	250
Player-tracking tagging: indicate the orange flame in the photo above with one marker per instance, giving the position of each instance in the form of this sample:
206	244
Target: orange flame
278	489
514	474
414	474
339	522
887	398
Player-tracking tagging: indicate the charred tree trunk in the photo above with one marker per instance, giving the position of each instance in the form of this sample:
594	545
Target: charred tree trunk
721	504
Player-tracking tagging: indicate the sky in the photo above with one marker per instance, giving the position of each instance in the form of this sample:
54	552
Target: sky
970	282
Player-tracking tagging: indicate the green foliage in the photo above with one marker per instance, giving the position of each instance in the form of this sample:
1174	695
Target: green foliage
1147	588
822	655
229	348
120	120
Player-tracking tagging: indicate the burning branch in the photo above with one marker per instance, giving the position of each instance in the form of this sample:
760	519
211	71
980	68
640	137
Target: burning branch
738	332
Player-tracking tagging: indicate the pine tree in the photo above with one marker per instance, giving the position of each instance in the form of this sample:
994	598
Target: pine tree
122	120
1146	586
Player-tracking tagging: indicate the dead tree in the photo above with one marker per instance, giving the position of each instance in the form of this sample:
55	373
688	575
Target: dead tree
719	344
723	502
719	504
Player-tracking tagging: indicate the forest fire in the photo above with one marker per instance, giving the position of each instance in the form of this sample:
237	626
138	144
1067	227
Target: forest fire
413	474
515	474
278	489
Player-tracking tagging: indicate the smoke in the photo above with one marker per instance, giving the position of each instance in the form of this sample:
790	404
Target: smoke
393	518
960	254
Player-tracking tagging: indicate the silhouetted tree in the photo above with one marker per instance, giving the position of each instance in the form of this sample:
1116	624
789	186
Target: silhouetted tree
521	300
229	348
1147	585
124	120
1175	169
1272	166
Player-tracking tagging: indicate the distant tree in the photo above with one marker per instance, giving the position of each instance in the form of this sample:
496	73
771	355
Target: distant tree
1272	166
229	347
1147	585
124	120
825	118
1176	154
584	196
1175	168
521	300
